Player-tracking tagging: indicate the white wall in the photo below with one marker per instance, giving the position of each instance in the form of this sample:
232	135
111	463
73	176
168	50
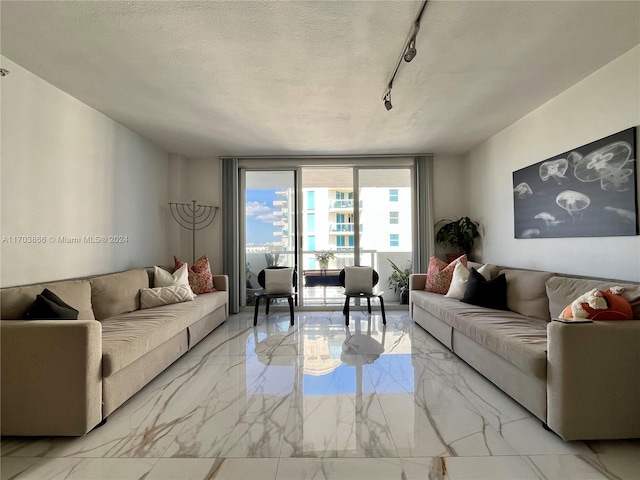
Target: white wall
602	104
68	170
450	195
201	180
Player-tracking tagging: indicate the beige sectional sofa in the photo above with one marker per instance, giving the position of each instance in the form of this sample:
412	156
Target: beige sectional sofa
64	377
582	380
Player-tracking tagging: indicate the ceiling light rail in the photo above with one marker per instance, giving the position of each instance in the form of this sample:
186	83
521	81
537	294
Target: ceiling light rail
409	52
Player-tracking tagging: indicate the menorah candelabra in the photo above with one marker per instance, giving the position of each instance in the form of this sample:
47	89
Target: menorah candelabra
193	217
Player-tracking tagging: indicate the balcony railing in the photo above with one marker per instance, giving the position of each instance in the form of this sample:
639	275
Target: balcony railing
341	227
341	204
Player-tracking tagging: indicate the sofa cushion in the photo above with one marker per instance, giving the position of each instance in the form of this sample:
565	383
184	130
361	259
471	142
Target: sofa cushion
526	293
200	277
48	306
458	282
15	301
599	305
118	292
564	290
446	309
129	336
163	278
520	340
486	293
156	297
439	274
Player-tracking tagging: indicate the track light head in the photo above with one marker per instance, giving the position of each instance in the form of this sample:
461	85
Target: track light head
387	100
410	52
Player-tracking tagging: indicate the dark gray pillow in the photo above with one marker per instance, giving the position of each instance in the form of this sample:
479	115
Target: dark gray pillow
48	306
486	293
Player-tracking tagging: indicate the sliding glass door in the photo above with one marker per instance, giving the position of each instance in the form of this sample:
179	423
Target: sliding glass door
320	219
270	228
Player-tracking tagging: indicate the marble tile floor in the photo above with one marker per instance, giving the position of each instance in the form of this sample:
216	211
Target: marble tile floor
319	401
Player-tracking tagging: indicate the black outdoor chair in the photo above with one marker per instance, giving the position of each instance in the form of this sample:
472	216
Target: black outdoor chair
279	282
359	287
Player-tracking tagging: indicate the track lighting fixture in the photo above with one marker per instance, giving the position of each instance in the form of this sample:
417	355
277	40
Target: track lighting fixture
409	52
387	100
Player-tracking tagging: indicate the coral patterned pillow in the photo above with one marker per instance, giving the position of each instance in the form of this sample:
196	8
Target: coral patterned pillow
440	274
200	278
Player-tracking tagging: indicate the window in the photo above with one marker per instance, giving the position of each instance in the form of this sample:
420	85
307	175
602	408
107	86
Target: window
339	195
339	217
341	241
393	195
394	240
311	222
311	242
311	200
394	218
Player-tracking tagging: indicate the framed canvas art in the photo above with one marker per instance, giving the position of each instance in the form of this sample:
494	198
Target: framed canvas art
589	191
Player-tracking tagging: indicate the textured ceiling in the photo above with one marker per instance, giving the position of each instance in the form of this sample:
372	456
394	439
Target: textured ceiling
302	77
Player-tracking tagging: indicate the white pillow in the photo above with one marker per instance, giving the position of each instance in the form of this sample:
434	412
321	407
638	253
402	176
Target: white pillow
485	271
278	280
458	282
358	280
155	297
162	278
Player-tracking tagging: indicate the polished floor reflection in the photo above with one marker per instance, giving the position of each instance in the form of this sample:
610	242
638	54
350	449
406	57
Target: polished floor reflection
319	401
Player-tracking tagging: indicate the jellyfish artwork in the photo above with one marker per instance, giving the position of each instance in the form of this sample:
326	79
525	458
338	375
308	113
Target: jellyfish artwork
530	233
607	165
554	169
573	202
523	190
548	219
625	216
573	158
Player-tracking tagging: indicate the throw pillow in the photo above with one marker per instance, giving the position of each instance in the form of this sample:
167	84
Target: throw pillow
162	278
458	282
440	274
486	293
48	306
599	305
155	297
485	271
278	280
200	277
358	280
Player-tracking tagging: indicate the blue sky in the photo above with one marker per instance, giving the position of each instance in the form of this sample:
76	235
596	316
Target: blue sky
260	218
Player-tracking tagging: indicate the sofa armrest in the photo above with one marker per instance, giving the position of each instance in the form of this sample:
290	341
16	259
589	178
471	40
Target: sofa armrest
593	380
50	377
417	281
221	282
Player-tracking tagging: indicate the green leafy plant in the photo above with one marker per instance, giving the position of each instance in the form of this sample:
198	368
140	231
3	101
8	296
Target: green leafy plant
460	233
323	256
399	279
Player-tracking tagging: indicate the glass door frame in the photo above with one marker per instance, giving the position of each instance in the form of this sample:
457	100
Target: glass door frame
295	165
242	223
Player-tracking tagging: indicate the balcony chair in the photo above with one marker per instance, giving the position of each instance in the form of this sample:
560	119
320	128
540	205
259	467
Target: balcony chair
358	282
277	282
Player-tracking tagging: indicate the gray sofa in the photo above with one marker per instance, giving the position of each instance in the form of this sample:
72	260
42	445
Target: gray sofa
582	380
64	377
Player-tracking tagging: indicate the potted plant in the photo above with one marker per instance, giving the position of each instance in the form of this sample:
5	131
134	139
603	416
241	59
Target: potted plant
399	281
323	257
460	233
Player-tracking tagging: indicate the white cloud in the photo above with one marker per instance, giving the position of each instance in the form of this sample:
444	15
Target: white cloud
259	211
